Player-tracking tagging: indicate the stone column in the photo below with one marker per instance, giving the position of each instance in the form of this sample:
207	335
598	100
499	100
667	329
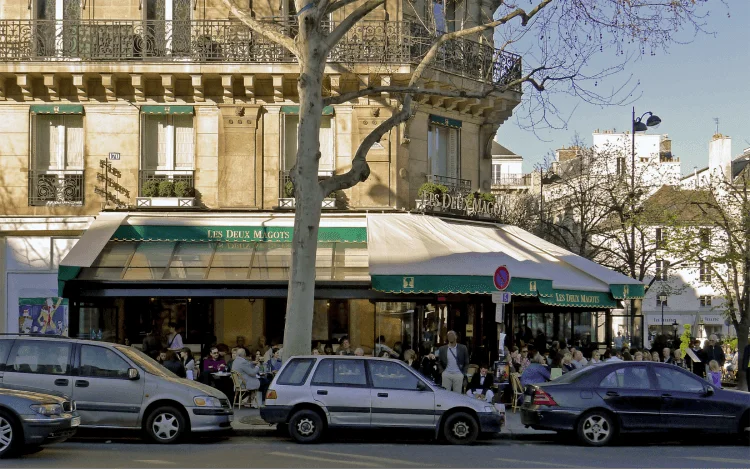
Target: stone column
344	138
207	154
238	162
271	156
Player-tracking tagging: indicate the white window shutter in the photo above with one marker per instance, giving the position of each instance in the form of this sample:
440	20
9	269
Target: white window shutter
326	145
184	141
74	142
153	147
453	171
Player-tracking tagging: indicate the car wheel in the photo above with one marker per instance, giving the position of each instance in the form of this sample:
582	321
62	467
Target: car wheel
9	435
306	426
165	425
596	429
460	429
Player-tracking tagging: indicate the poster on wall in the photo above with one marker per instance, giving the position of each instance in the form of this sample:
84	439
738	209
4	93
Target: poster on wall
43	316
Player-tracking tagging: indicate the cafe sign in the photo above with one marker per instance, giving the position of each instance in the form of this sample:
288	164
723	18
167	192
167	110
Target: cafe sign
461	204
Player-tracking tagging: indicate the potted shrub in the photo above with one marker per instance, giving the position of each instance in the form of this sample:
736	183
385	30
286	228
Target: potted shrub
289	189
150	188
183	189
427	189
166	189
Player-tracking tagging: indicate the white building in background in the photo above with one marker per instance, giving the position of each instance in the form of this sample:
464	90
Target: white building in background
507	171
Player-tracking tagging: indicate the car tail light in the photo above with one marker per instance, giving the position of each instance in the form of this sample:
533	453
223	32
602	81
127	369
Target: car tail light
542	398
271	394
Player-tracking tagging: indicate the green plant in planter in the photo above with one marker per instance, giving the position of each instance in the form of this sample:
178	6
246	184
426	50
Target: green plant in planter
479	196
150	188
183	189
166	189
432	188
289	189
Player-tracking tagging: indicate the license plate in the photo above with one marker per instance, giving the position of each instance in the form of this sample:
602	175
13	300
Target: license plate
231	418
75	421
527	399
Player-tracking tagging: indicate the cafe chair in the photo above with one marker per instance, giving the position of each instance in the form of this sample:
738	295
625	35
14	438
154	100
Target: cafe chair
515	381
239	391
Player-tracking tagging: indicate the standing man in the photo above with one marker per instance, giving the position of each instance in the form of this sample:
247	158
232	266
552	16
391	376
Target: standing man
454	360
174	341
713	351
618	341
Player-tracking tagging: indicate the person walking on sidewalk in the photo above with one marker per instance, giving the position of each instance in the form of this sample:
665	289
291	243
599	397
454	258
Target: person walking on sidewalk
453	359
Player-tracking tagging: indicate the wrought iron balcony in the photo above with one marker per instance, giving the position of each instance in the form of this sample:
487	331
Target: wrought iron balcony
286	193
201	41
50	188
454	185
158	176
511	179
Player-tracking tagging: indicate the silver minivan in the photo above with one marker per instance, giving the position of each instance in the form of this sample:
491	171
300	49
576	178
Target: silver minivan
114	386
313	393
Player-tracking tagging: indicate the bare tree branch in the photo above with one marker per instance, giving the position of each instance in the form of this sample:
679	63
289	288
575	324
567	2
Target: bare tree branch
338	5
360	170
349	22
270	31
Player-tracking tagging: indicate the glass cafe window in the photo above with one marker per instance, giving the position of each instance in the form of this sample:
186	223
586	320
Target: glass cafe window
396	323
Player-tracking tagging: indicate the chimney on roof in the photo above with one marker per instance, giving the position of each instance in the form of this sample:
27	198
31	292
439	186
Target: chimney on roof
720	156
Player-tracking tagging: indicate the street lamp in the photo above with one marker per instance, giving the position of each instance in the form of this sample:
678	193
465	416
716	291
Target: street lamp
637	126
663	300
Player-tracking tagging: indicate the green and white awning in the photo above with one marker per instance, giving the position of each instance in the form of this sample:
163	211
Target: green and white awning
56	109
165	110
424	254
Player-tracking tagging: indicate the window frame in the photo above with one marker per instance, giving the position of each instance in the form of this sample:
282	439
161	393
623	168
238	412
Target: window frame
367	384
432	137
371	363
171	147
307	373
704	237
671	369
662	269
79	363
705	301
10	367
61	153
625	370
704	271
322	172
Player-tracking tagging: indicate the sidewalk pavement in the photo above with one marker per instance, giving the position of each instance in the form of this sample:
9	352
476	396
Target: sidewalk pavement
247	422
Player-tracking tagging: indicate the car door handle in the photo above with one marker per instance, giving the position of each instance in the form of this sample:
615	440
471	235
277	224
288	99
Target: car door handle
322	392
61	382
82	384
613	393
382	394
666	396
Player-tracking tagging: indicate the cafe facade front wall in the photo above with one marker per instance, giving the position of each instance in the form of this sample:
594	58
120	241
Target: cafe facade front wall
227	276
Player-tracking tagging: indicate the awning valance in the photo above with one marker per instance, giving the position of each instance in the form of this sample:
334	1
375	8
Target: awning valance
446	121
167	109
327	111
451	256
56	109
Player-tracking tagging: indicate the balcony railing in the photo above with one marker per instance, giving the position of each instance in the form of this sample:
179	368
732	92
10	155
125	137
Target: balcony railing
146	175
286	192
49	188
454	185
511	179
386	42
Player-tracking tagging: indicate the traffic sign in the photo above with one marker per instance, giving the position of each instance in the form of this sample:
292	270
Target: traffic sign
501	297
502	278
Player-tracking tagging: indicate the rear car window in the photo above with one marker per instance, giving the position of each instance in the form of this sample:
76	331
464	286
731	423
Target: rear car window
341	373
5	346
40	357
632	377
296	371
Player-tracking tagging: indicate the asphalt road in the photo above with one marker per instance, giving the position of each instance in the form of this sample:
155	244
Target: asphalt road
368	450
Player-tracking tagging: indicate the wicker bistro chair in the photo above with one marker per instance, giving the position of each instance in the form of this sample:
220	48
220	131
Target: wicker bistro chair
240	390
515	381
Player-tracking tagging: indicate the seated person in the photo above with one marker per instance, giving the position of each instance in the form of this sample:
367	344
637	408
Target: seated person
274	365
481	385
173	364
537	372
213	363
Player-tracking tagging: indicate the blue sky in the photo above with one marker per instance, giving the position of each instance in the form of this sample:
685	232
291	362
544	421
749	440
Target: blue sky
687	87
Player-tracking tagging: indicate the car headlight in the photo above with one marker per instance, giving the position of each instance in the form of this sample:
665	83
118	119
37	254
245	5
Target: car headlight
207	401
47	409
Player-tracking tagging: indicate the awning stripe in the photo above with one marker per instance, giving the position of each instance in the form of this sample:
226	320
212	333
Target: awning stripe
327	111
56	109
446	121
164	110
327	234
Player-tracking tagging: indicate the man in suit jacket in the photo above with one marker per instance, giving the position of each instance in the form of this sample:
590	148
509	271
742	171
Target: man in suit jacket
453	359
481	385
713	351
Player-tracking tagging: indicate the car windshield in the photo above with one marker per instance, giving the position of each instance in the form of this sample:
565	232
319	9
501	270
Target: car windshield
144	361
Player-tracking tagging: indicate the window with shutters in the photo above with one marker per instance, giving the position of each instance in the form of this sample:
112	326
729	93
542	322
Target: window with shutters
56	172
167	149
705	301
705	271
443	151
662	270
291	125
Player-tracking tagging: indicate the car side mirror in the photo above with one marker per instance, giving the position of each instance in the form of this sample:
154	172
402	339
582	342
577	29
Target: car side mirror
133	374
421	386
709	391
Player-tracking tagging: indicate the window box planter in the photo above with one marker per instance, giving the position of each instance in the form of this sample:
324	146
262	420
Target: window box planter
165	202
329	203
290	202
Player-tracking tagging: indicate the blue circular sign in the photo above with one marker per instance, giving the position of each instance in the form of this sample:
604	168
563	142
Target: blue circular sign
502	278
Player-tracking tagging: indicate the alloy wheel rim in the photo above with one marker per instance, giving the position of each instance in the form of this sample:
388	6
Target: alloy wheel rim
305	427
461	429
596	428
6	434
165	426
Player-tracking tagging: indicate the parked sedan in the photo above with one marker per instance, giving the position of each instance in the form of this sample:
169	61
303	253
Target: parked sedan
599	402
29	419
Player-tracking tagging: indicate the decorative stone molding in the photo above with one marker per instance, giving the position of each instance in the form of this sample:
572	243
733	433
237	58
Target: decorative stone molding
52	83
227	85
466	106
168	82
139	85
198	90
81	85
248	82
278	88
386	80
24	81
109	83
335	85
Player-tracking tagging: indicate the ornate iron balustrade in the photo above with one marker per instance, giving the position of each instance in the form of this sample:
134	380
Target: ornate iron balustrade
454	185
511	179
49	188
385	42
146	175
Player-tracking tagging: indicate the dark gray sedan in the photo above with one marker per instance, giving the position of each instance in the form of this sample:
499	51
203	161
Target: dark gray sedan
29	419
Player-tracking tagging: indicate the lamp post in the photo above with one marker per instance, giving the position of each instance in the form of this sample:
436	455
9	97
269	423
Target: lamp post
676	340
637	126
663	299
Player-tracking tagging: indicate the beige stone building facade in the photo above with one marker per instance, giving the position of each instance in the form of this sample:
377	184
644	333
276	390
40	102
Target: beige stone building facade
175	107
